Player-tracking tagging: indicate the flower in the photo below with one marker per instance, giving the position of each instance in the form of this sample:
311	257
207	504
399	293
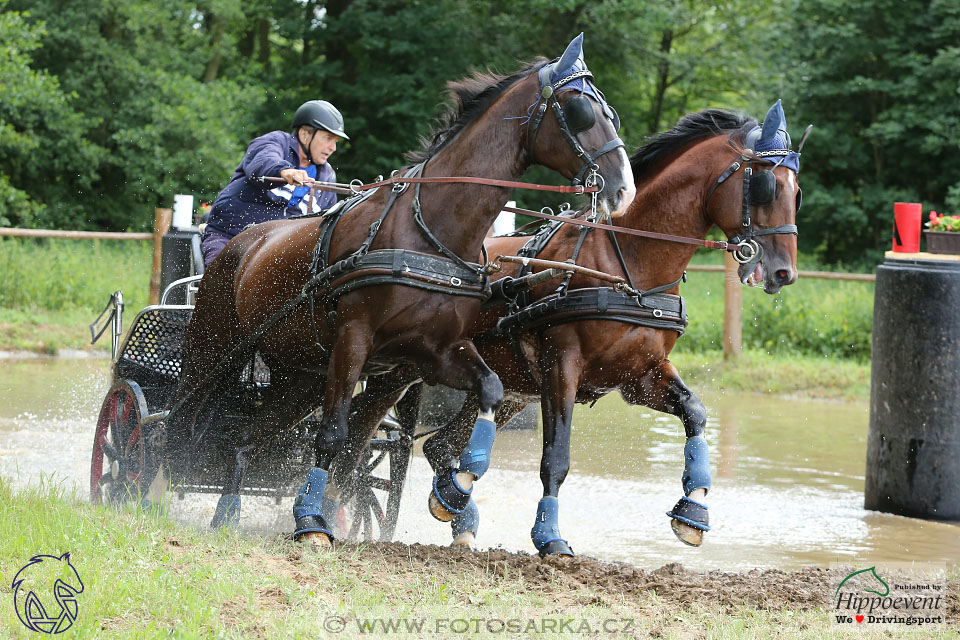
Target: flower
943	223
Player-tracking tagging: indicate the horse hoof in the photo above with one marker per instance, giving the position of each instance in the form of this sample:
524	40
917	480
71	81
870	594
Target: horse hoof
439	511
557	549
686	534
316	539
465	539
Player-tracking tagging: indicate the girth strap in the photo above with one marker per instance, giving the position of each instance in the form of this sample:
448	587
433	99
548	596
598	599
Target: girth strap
654	310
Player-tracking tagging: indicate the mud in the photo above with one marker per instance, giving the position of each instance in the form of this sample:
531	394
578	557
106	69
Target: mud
583	580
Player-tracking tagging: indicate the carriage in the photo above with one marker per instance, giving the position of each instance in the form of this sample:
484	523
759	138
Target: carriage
128	459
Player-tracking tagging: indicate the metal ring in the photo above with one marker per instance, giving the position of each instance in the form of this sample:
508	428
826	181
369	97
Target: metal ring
657	313
749	251
597	181
564	207
455	281
547	210
355	185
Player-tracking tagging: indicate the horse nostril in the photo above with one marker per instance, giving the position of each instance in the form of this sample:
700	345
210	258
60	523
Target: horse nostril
783	274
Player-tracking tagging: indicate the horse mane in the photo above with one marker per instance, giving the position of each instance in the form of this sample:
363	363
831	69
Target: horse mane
471	97
693	127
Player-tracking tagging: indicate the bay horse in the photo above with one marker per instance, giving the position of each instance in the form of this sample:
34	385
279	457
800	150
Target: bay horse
563	349
320	299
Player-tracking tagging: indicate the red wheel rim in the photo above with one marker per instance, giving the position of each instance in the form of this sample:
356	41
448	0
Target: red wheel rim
118	428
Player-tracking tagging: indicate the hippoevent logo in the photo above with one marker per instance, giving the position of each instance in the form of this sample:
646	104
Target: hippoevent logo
907	599
45	593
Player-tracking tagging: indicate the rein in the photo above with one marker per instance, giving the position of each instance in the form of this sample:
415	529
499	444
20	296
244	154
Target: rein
709	244
401	183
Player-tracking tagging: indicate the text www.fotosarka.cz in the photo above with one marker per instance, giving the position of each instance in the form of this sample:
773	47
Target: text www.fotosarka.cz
337	624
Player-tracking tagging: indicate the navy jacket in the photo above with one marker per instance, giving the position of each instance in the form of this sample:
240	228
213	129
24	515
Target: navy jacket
244	202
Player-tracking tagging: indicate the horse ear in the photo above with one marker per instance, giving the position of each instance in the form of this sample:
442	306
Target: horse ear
773	122
570	56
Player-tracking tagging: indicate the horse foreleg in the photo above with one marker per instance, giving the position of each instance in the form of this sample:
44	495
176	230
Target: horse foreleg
461	367
558	395
350	352
662	389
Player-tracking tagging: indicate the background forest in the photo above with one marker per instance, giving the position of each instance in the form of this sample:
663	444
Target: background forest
109	107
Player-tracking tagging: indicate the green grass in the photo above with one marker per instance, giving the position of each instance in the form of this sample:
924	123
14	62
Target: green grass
781	374
146	576
63	275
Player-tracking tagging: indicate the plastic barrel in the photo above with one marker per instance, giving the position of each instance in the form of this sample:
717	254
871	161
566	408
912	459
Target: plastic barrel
913	445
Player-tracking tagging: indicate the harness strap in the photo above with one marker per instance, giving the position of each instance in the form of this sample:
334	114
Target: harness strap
432	239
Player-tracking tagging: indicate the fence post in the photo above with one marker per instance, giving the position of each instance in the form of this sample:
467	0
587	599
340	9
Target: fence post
161	224
732	310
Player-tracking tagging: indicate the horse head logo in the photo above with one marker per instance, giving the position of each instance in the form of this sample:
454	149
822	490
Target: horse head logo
865	581
31	598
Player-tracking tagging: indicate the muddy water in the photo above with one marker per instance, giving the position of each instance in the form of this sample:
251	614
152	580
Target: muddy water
787	479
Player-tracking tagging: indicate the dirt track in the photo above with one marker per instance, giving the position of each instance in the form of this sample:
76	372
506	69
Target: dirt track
584	579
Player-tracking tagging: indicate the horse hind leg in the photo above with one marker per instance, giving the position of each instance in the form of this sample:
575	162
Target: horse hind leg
463	368
662	389
465	525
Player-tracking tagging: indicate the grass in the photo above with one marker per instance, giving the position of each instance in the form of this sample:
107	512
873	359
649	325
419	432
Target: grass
760	372
146	576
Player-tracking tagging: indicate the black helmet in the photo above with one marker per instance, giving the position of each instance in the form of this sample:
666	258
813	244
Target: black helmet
320	114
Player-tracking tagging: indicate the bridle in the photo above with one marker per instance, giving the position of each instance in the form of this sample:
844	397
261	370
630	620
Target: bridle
760	194
574	117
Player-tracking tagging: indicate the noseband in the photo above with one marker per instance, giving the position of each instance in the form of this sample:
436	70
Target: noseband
548	99
751	251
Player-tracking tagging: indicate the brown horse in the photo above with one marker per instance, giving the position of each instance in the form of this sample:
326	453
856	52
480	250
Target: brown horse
569	354
385	279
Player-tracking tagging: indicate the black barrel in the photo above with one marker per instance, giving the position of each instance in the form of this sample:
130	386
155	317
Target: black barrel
177	262
913	447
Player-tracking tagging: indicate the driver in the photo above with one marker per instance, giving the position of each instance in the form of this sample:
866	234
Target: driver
296	157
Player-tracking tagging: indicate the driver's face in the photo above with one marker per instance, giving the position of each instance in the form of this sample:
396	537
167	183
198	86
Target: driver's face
323	145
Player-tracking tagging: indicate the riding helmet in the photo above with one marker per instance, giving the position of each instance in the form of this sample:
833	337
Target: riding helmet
320	114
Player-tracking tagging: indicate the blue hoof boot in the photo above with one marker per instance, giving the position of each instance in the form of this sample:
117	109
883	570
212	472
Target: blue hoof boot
556	548
448	499
546	530
227	513
307	506
312	524
692	513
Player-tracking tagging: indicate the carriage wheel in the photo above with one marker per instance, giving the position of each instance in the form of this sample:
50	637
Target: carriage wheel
372	502
121	462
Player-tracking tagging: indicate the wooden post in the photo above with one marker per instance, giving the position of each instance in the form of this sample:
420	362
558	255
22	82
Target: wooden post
161	224
732	310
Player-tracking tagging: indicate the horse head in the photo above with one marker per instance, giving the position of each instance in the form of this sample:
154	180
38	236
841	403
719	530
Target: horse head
582	122
760	210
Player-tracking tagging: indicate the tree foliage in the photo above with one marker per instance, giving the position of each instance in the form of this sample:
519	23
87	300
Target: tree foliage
109	107
880	78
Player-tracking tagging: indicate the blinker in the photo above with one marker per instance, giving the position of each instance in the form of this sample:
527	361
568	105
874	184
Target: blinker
579	114
763	188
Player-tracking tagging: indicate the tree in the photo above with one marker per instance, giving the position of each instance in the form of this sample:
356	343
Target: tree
880	80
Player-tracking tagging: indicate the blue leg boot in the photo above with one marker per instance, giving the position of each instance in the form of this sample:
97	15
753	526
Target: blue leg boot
307	507
696	475
466	522
546	530
448	498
